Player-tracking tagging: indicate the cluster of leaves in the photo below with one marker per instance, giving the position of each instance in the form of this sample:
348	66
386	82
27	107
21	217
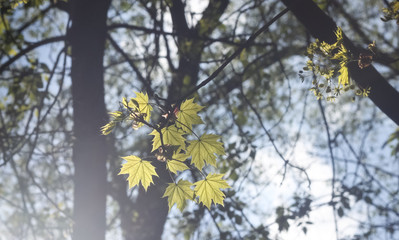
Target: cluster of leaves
8	6
349	195
392	12
171	146
391	140
298	210
327	61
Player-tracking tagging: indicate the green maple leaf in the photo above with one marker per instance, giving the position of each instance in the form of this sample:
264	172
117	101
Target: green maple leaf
139	171
178	194
203	150
115	117
139	107
187	115
144	106
208	190
171	136
177	163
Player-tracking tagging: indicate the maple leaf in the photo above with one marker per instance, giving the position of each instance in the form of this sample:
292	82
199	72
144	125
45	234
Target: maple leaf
171	136
187	115
139	107
144	106
203	150
208	190
179	193
177	163
139	171
116	117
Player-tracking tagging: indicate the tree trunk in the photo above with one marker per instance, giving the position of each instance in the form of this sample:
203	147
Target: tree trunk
87	38
322	27
150	209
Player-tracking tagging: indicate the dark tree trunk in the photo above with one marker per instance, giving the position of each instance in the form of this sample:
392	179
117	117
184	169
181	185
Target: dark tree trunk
145	218
87	38
322	27
150	209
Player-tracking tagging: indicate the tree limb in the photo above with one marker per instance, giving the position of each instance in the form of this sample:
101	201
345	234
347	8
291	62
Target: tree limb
322	27
235	54
30	48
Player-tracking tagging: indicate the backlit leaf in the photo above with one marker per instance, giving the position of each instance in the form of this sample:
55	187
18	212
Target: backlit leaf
187	115
144	106
177	163
178	194
204	150
343	77
116	117
140	107
139	171
208	190
171	136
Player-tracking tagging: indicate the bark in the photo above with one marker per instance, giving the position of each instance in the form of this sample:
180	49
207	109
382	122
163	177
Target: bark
322	27
87	39
150	209
191	45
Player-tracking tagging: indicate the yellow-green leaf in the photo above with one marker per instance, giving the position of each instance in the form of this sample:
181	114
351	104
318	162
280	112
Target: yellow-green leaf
395	6
107	129
208	190
177	163
144	106
179	193
187	115
116	117
343	77
139	171
171	136
125	103
204	150
140	106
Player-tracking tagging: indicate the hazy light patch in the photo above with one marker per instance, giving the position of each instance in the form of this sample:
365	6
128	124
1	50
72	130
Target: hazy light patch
277	194
194	11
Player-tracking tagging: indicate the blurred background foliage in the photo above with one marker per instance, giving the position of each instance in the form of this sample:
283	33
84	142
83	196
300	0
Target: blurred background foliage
291	160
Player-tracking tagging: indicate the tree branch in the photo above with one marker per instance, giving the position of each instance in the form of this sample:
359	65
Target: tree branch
235	54
226	40
30	48
322	27
142	79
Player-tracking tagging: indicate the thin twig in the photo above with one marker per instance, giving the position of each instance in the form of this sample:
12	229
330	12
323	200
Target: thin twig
286	162
30	48
235	54
332	165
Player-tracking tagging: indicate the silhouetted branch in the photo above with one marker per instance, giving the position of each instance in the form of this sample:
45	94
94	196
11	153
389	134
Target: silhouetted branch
235	54
30	48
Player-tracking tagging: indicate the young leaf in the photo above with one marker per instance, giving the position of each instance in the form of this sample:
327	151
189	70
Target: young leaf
107	129
116	117
343	77
187	115
171	136
139	171
179	193
144	106
177	163
140	106
208	190
203	150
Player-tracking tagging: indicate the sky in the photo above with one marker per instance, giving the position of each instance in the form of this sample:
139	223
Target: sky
276	194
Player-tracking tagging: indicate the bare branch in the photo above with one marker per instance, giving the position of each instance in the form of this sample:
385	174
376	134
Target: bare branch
30	48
